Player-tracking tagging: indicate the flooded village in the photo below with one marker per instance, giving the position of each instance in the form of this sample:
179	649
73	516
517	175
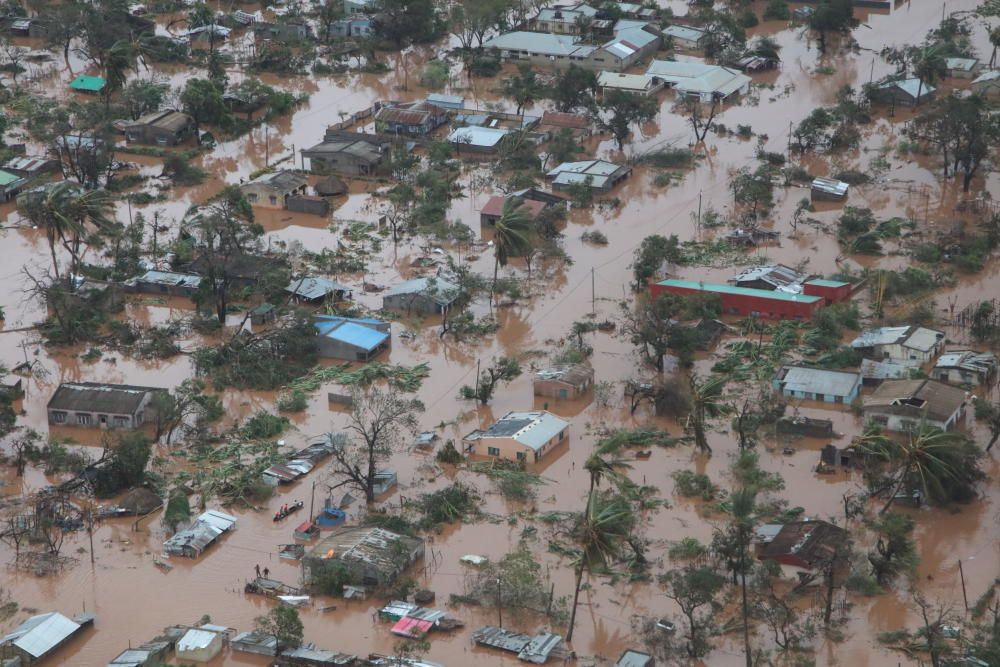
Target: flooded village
482	332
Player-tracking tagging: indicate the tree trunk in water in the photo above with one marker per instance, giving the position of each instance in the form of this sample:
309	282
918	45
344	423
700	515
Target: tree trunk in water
993	441
829	595
493	289
746	622
576	598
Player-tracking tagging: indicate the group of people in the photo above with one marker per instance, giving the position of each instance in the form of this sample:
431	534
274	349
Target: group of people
258	570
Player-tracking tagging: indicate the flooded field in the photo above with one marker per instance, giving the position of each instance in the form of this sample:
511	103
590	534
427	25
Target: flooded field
134	599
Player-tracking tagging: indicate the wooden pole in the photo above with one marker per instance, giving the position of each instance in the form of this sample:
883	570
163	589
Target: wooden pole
965	596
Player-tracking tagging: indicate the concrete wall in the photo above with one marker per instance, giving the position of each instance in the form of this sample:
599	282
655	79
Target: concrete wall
311	205
413	303
109	418
559	389
902	424
508	448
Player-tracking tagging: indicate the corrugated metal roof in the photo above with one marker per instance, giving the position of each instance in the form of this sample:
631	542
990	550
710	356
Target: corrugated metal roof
590	167
910	87
122	399
473	135
38	635
991	75
532	429
718	288
22	163
923	339
830	186
540	43
8	178
438	289
357	335
684	32
171	278
217	519
624	81
448	101
818	381
90	84
963	64
195	640
313	288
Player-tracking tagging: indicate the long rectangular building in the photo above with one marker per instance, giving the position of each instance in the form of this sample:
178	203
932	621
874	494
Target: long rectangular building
744	301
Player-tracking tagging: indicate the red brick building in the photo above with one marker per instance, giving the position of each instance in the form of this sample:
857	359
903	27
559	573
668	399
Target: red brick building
744	301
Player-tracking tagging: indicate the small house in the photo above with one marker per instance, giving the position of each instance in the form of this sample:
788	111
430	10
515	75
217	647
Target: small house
10	185
519	436
828	189
415	119
199	645
446	101
961	68
38	637
351	339
164	283
243	270
426	296
147	655
29	166
352	7
640	85
207	35
756	63
599	175
354	156
273	189
684	37
87	84
493	210
907	92
373	557
476	139
308	655
203	531
875	372
901	405
632	658
805	544
987	84
831	291
161	128
535	649
255	642
700	81
354	26
966	367
263	314
904	342
316	290
11	389
563	382
816	384
100	405
554	122
288	32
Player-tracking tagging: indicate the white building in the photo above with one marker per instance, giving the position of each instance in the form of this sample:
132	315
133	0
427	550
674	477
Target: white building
906	342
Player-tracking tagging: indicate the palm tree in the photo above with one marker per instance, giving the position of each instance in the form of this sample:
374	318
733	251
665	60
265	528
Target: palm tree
706	404
603	463
65	214
941	464
120	59
513	236
742	503
604	526
929	67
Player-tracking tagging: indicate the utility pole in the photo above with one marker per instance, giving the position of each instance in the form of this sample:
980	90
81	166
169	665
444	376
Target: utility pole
961	573
593	293
477	379
699	211
312	501
499	605
267	150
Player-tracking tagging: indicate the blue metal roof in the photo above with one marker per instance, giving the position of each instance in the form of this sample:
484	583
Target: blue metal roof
354	334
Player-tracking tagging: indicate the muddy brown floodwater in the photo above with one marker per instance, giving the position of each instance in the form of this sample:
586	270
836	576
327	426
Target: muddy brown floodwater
134	600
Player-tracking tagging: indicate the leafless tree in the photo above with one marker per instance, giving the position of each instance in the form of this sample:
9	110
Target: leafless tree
380	418
701	122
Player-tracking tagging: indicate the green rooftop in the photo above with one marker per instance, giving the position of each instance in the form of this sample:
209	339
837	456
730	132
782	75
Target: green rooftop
6	178
88	84
822	282
717	288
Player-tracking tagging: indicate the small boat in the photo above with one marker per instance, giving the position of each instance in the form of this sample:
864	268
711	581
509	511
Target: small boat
286	510
643	455
330	517
306	531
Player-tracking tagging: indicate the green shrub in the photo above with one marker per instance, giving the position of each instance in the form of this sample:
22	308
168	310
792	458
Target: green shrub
691	484
777	10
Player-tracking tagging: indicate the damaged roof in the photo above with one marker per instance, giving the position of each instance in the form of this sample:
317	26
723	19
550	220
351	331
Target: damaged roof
40	634
375	546
438	289
812	542
313	288
916	398
530	649
575	374
531	429
914	337
777	275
